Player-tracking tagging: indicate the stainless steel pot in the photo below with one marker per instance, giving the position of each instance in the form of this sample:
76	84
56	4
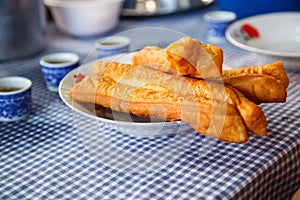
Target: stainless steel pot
160	7
22	28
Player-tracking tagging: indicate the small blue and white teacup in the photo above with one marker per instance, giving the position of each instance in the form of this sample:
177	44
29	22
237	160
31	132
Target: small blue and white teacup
15	98
216	23
55	66
110	46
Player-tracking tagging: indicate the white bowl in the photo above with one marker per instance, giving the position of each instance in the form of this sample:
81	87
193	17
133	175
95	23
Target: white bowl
85	18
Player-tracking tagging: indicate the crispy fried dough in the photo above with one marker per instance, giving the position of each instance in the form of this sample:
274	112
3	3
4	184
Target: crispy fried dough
185	56
200	103
262	84
252	115
163	105
185	81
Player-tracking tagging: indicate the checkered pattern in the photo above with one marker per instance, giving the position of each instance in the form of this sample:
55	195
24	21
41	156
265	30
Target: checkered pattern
58	154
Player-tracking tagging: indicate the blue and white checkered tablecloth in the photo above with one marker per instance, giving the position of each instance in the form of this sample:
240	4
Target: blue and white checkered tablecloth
59	154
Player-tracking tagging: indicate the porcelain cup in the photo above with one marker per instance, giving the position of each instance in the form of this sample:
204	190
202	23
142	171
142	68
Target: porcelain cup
55	66
216	23
15	98
110	46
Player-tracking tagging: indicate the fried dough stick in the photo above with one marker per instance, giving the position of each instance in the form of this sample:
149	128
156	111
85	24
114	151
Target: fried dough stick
139	76
187	88
262	84
164	105
185	56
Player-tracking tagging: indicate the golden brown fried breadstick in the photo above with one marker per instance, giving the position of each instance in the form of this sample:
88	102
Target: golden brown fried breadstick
261	84
156	57
150	87
185	56
160	104
252	115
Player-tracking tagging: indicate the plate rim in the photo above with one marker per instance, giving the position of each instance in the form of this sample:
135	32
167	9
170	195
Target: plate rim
236	43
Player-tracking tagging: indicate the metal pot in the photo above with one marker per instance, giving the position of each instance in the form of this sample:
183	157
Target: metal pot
160	7
22	28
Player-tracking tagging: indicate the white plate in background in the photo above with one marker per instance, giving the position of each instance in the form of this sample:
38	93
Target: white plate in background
279	34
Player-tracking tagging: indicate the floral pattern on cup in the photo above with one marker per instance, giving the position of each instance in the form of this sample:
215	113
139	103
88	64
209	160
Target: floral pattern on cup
53	76
216	23
55	66
15	105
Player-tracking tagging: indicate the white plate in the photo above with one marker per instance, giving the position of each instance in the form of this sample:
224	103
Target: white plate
279	34
125	125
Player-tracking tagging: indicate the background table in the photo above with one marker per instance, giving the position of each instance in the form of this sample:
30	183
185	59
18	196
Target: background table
45	156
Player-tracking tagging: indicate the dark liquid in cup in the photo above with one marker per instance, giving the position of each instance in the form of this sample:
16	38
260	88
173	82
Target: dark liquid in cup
110	43
8	89
57	61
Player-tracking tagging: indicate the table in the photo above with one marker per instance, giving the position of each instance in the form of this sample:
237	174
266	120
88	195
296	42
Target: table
48	155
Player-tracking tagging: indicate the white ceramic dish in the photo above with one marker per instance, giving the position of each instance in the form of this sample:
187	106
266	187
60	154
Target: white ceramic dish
279	34
126	125
85	18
